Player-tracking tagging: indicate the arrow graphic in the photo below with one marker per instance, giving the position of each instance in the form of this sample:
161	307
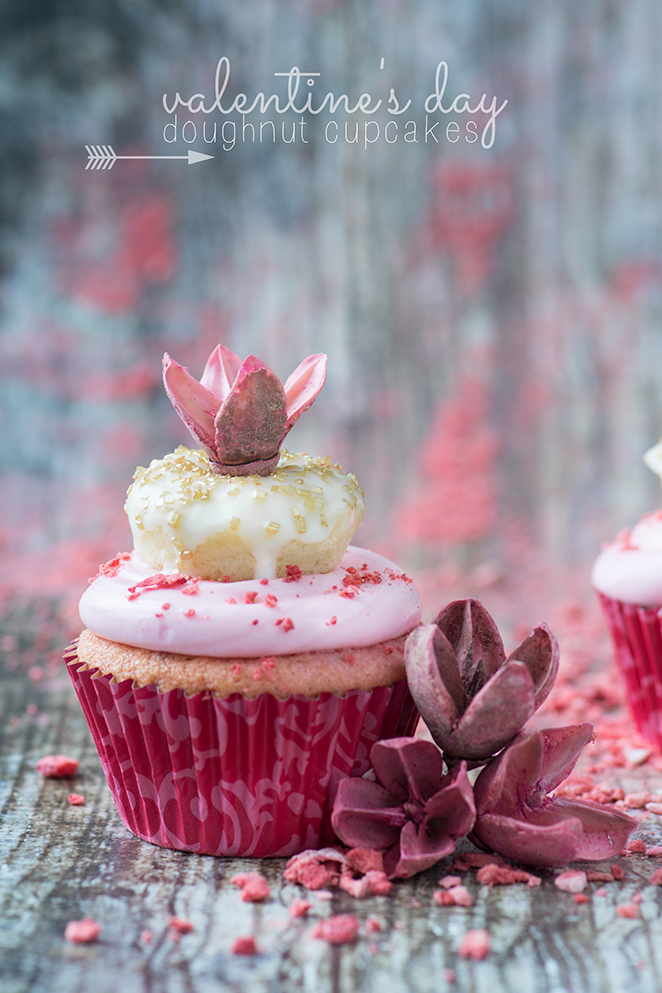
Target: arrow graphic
103	157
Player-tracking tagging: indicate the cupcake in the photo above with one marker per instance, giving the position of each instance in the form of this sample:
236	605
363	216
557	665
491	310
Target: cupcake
628	578
244	657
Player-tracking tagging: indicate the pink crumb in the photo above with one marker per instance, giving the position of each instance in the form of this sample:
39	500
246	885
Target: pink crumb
82	932
189	613
57	766
475	860
180	926
244	946
146	937
379	884
447	881
581	898
372	925
250	597
656	878
655	851
299	908
270	600
502	875
636	846
358	888
264	582
628	910
334	620
362	860
617	872
455	896
288	624
75	799
572	881
594	876
341	929
293	573
449	975
255	890
475	945
230	599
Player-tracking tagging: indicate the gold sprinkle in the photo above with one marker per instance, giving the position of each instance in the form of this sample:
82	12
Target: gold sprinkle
260	495
323	521
186	554
349	489
234	491
299	521
139	523
234	523
317	489
309	503
300	481
272	527
178	543
303	492
173	518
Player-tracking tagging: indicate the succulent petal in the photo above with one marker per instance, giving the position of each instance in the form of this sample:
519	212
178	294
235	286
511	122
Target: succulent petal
251	421
302	387
409	766
496	714
475	639
434	681
193	402
220	372
540	654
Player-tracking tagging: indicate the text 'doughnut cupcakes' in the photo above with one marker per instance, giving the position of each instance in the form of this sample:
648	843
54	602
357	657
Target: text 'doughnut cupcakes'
242	660
628	578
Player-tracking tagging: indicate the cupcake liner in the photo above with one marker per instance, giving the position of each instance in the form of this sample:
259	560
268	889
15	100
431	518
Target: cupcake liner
233	776
637	636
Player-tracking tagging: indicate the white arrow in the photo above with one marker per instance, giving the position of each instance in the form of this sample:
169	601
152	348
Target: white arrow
103	157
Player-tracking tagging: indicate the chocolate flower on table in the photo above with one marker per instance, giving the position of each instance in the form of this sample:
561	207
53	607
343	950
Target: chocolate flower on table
517	818
240	412
413	813
473	699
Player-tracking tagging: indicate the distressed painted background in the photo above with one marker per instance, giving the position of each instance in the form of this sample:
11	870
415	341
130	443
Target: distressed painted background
492	316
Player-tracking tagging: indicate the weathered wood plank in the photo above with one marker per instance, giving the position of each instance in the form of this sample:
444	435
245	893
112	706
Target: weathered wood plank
61	862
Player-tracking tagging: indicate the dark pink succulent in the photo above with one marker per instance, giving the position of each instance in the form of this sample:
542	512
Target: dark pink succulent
473	699
240	412
516	816
413	813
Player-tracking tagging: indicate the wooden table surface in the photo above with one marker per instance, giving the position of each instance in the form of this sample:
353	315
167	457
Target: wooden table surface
61	862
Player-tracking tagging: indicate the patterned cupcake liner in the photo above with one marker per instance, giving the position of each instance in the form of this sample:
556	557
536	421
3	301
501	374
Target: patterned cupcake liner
637	636
233	776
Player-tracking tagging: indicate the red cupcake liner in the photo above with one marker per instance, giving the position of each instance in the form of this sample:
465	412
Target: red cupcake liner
637	636
233	776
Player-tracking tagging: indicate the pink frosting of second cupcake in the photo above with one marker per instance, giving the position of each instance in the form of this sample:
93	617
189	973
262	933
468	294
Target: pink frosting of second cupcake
630	568
251	618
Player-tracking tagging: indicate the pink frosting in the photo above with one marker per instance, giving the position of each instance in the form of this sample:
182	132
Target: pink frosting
630	568
243	620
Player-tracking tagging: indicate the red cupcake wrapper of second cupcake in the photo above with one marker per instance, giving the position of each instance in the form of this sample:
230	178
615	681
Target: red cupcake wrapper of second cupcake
233	776
637	636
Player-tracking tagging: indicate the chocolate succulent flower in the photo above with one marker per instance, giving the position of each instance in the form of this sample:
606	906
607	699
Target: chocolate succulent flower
412	813
473	699
516	817
240	412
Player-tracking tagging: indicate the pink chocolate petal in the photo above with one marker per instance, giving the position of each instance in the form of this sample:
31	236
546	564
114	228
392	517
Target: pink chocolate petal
606	831
453	805
303	386
496	713
434	681
250	424
418	851
561	749
220	372
475	639
544	845
409	765
365	816
196	406
540	654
